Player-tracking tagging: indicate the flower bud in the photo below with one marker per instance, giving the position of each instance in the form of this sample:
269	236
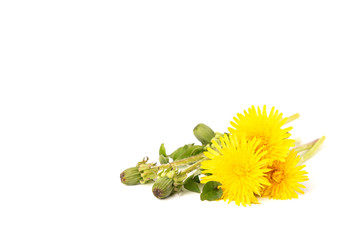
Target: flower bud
163	187
131	176
203	133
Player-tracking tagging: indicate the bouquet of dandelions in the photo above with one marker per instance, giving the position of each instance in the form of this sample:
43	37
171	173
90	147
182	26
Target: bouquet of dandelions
255	159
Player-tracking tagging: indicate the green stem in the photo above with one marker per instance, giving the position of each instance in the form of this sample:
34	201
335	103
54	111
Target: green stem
311	151
193	167
292	117
305	146
181	162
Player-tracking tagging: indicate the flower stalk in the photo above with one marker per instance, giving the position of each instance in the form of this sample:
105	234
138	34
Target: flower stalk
292	117
306	146
311	152
193	167
181	162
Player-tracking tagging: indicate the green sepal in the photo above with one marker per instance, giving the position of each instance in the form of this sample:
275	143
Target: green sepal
211	191
191	184
186	151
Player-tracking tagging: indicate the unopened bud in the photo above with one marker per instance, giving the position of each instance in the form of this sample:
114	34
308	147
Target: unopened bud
163	187
131	176
203	133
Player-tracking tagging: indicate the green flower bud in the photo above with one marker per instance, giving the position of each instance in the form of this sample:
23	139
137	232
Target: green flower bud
144	172
203	133
131	176
163	187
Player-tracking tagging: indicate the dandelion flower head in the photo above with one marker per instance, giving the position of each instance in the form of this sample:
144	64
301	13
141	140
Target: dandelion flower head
285	178
239	166
267	128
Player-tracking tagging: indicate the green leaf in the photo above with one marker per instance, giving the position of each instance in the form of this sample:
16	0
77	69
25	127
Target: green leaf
196	179
211	191
197	150
163	158
191	185
177	154
186	151
162	150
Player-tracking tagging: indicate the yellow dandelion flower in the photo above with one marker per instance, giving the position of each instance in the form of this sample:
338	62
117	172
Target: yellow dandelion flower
239	166
285	177
267	128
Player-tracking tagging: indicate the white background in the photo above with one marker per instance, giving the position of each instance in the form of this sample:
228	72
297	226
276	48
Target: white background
88	88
